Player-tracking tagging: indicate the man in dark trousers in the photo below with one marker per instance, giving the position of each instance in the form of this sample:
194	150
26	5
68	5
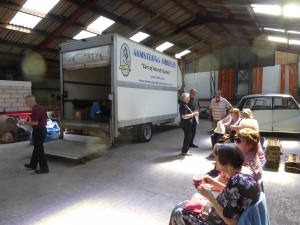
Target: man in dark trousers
194	105
38	121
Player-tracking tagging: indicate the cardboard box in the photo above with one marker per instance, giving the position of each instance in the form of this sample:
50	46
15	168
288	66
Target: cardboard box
81	114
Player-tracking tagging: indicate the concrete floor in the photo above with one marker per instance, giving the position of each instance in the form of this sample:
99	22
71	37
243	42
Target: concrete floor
133	183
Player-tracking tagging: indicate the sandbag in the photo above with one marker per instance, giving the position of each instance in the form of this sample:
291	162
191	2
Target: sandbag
8	123
7	137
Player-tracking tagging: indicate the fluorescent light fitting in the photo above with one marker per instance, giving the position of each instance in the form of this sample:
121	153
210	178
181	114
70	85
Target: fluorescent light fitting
84	34
101	24
40	6
279	30
178	56
267	9
164	46
294	42
139	36
25	20
293	32
291	11
277	39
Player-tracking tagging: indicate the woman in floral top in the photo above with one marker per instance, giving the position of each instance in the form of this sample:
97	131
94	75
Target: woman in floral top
241	191
248	140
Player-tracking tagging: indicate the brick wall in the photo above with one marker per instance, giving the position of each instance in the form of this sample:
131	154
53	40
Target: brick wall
12	95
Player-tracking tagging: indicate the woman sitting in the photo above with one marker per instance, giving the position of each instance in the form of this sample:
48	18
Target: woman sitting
247	114
248	140
233	119
240	192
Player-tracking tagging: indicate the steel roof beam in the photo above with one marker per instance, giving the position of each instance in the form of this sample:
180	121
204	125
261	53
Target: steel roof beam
67	23
30	31
129	24
228	14
252	14
152	14
26	46
19	8
204	12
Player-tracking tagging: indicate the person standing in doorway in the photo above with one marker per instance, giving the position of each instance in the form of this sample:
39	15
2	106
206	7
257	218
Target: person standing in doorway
194	105
219	109
38	121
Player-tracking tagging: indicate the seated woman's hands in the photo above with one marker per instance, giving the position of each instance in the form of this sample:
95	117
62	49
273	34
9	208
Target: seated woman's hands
207	179
205	192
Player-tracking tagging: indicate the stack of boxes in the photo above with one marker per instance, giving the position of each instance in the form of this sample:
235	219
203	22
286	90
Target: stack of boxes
273	152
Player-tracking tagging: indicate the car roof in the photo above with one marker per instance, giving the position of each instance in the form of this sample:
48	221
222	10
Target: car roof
267	95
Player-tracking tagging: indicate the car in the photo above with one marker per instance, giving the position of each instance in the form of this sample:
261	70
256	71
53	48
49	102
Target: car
273	112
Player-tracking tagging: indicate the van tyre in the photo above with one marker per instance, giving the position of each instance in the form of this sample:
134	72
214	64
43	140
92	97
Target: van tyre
145	133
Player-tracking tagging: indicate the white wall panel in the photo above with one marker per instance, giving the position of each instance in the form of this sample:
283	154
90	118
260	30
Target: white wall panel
201	82
142	103
271	79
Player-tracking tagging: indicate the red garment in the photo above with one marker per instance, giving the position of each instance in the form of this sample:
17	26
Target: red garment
39	115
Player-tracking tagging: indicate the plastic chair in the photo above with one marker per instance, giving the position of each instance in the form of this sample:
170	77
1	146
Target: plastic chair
256	214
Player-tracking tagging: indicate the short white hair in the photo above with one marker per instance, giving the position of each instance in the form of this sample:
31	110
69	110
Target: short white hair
184	96
30	97
249	123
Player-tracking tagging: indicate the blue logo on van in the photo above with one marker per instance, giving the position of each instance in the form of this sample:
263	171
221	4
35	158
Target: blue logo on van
125	60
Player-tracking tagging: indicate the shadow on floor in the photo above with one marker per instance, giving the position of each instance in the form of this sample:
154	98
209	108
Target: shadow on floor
170	158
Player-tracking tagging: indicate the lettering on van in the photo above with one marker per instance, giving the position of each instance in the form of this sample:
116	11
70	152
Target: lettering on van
125	60
153	68
153	58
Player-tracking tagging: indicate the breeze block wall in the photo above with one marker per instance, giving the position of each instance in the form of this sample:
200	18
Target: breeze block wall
12	95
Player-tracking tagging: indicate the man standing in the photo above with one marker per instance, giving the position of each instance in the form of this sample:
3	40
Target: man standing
217	109
38	121
194	105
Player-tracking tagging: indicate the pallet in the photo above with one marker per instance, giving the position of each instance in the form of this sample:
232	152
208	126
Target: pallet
273	152
292	163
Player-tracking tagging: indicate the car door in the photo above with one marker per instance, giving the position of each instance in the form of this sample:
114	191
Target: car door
261	108
286	115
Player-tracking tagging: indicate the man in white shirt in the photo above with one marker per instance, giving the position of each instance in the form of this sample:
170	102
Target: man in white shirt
219	108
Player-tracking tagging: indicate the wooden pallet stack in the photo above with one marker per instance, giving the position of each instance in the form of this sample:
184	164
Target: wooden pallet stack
292	163
273	152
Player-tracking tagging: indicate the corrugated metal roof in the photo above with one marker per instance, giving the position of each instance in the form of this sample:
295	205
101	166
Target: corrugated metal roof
159	18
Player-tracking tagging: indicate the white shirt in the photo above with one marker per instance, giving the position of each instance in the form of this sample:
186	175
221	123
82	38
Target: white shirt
219	108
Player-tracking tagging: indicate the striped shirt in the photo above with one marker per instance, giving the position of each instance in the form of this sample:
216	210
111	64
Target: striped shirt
219	108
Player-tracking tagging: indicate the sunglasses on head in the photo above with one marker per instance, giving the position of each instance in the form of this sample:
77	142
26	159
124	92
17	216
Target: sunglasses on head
238	140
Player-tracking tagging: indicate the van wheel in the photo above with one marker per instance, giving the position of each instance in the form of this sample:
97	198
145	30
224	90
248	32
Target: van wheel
145	133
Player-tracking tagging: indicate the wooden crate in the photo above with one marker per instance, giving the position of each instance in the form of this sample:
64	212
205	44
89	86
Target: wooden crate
272	164
272	157
292	163
274	145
